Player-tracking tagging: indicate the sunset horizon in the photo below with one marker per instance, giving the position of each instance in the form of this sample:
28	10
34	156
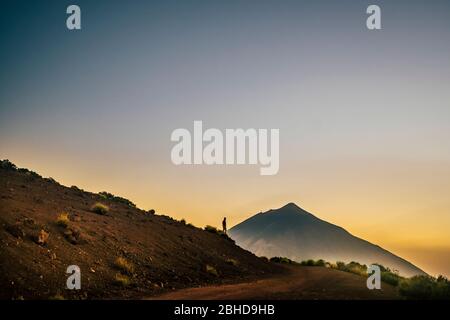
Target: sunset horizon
423	252
154	150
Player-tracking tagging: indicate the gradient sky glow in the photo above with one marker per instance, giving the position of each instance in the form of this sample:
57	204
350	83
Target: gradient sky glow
364	116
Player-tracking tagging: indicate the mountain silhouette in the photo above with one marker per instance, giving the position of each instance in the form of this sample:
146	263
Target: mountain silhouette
297	234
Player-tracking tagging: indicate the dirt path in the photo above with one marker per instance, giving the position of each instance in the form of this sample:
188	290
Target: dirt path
297	283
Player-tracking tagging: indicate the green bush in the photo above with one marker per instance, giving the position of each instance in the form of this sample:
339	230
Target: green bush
110	196
340	266
320	263
425	288
357	268
29	173
211	270
314	263
214	230
417	287
282	260
8	165
389	276
441	289
51	180
100	208
352	267
308	263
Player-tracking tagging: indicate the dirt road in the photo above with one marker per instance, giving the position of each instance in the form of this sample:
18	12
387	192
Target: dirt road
297	283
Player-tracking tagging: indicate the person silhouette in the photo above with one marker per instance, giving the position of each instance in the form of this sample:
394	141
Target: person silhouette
224	224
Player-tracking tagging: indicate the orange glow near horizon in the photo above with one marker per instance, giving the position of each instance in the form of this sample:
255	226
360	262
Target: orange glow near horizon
387	205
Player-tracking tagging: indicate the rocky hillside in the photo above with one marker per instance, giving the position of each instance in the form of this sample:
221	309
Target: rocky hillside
122	251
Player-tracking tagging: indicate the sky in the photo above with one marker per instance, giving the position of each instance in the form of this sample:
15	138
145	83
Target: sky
363	115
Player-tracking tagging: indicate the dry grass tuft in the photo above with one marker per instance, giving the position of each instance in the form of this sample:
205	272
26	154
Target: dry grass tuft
100	208
63	219
122	280
210	269
124	265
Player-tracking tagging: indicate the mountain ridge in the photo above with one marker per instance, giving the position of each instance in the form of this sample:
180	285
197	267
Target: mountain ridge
297	234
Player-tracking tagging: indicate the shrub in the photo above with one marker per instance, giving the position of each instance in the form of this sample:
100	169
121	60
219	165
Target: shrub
417	287
232	262
63	219
352	267
307	262
74	236
211	270
6	164
214	230
151	211
31	175
320	263
314	263
100	208
392	278
78	190
51	180
357	268
387	275
183	221
282	260
441	289
340	266
124	265
425	287
122	280
110	196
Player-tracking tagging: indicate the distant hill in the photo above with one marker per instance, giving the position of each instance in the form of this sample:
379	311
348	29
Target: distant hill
45	227
295	233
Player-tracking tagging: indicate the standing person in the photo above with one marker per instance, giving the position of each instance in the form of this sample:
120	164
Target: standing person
224	224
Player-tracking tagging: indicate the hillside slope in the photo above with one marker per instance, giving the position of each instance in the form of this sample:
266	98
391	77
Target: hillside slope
165	254
297	234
